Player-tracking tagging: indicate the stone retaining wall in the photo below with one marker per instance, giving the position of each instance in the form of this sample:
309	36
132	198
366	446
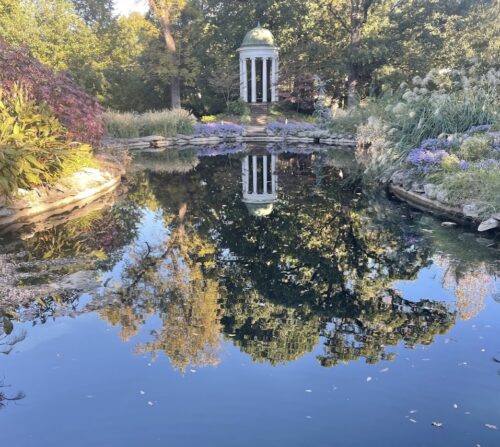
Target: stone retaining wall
159	143
421	199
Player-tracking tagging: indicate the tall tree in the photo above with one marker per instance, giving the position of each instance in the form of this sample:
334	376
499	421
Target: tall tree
352	15
167	12
95	12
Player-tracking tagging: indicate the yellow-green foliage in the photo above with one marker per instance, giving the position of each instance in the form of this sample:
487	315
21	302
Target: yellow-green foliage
450	163
167	123
34	149
208	119
477	147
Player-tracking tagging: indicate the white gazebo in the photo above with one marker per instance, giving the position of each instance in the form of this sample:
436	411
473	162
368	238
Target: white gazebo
260	184
259	56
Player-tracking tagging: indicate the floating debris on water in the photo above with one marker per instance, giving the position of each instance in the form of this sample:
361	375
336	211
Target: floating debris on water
437	424
491	426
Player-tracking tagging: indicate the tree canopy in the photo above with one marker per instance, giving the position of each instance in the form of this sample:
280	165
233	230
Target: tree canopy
172	55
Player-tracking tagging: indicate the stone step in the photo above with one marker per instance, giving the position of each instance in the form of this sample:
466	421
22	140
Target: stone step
259	113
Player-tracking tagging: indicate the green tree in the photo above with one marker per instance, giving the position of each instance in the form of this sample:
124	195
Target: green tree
167	13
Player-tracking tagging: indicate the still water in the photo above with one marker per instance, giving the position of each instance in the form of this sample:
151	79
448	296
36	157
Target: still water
258	298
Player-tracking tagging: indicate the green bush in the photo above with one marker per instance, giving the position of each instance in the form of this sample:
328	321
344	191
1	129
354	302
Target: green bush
34	149
238	108
476	147
442	104
476	184
348	121
167	123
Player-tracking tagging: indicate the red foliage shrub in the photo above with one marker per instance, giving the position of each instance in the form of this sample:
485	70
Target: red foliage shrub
77	111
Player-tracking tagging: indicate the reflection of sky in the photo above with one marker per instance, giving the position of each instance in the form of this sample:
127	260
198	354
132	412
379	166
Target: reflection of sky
87	389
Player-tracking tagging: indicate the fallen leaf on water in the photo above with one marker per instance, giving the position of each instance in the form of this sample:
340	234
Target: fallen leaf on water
437	424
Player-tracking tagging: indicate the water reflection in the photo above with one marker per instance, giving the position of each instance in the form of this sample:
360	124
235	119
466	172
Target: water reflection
8	340
187	246
260	183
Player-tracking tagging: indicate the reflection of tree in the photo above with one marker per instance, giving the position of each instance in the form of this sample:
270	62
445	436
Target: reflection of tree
173	280
317	266
320	267
270	332
470	286
364	329
96	234
7	343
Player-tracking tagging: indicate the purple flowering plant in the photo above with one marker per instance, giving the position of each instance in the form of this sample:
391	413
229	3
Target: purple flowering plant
220	149
223	130
429	156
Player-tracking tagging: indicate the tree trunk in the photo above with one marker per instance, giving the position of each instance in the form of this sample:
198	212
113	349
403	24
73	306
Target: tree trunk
175	82
354	68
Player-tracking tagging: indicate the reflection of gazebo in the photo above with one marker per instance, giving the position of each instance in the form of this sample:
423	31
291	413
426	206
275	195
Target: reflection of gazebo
260	184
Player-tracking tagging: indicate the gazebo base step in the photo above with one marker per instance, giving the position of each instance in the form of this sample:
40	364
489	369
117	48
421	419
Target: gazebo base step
259	112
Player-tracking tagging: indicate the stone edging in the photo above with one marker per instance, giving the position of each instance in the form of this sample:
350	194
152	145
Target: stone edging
423	203
161	143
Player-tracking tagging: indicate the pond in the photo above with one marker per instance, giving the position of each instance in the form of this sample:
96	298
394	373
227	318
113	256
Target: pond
250	297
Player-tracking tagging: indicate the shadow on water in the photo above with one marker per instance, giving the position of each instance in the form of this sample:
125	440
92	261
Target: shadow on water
277	248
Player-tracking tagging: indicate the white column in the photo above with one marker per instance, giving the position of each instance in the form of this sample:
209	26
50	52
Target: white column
264	180
245	167
264	79
254	81
274	174
254	174
273	79
242	95
277	77
245	80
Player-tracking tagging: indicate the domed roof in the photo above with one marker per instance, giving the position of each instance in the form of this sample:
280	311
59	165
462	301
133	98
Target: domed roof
258	37
259	209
